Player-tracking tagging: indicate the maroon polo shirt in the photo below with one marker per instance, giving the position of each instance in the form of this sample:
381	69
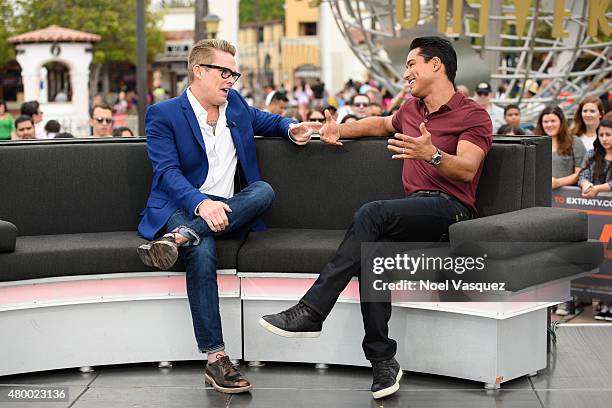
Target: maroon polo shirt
459	119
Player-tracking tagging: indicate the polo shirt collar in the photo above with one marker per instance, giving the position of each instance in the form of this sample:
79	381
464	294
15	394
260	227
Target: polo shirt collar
452	103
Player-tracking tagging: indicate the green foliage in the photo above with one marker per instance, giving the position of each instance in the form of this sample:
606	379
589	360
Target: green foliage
268	10
113	20
7	52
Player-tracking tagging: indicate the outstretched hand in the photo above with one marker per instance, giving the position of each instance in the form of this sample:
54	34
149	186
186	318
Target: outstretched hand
302	132
415	148
330	132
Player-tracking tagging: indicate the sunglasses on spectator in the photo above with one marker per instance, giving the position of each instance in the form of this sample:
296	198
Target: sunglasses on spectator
107	121
361	105
320	120
225	72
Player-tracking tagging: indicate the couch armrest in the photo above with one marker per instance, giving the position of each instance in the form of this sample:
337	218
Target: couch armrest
518	232
8	236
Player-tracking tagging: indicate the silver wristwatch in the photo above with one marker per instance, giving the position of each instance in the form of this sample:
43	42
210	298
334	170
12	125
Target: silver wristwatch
436	159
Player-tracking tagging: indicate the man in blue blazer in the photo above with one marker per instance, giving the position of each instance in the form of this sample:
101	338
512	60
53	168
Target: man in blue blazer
195	143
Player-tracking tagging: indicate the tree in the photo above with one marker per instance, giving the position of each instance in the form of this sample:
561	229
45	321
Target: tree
113	20
7	52
268	10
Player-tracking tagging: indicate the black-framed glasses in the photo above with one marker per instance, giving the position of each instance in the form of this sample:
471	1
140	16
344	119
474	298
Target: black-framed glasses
361	105
320	120
108	121
225	72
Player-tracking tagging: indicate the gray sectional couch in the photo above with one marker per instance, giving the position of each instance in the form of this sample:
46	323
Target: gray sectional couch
69	212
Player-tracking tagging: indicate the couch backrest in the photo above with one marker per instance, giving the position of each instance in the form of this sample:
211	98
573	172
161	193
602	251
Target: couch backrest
70	187
102	185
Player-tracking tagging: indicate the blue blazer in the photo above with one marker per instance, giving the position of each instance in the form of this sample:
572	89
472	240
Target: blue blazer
178	155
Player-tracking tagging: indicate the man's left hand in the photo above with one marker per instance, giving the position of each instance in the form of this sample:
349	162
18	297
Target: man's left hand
414	148
302	132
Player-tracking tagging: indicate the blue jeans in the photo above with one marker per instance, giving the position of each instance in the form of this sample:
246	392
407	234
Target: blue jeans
200	258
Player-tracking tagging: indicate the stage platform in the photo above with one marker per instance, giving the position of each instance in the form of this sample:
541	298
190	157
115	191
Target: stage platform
579	374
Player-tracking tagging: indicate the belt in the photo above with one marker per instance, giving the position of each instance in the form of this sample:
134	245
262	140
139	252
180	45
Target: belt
437	193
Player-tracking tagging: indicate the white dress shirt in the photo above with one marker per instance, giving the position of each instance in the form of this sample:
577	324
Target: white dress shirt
220	150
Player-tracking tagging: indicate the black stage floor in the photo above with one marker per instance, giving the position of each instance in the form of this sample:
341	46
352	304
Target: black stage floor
579	375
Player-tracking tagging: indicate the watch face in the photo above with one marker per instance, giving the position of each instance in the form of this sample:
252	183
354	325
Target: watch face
436	158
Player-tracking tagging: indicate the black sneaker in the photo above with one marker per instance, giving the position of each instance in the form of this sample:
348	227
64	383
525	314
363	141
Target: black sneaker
161	253
226	378
297	321
601	315
387	375
608	316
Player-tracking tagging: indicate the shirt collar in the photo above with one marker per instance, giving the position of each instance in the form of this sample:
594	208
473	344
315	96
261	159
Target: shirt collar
201	114
452	103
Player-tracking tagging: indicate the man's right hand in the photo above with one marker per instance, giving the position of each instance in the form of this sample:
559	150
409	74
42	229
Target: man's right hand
330	132
214	213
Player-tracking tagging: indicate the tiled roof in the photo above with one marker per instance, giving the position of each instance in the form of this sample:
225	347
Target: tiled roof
54	34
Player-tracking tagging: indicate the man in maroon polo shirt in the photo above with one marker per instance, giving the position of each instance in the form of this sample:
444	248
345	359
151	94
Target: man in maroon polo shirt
443	138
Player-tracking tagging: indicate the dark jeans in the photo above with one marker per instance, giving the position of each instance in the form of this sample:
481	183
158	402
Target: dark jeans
200	258
417	218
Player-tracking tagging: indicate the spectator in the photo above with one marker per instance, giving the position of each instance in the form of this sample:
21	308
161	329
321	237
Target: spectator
511	130
464	90
360	106
7	123
376	109
349	119
596	176
608	116
316	116
278	103
318	92
123	131
483	97
32	109
586	120
101	120
52	128
64	135
293	114
567	151
24	128
512	117
397	101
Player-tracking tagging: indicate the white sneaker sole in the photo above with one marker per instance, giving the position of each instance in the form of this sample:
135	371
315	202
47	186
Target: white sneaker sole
389	390
284	333
225	390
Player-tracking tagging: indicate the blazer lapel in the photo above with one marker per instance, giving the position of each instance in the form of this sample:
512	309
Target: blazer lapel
191	119
231	117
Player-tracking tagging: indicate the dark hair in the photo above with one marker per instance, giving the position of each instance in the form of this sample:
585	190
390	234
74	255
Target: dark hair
321	111
507	129
564	138
599	157
3	103
119	130
352	103
105	106
579	127
64	135
52	126
29	108
430	47
279	97
331	108
511	106
23	118
347	117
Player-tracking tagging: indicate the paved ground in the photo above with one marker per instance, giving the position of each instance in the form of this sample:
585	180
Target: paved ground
579	374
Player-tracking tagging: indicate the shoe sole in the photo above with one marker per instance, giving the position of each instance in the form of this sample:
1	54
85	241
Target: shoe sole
564	313
225	390
599	318
284	333
389	390
160	254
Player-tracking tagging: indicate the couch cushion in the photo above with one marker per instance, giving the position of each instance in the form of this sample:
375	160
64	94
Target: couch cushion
524	271
87	254
8	235
500	188
518	232
74	187
288	250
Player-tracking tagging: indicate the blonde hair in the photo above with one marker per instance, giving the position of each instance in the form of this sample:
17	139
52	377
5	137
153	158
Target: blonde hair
202	53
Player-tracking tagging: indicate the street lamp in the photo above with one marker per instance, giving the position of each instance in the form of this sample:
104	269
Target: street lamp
212	25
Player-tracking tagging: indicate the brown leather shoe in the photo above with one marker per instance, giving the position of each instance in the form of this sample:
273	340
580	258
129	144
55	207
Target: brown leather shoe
161	253
224	377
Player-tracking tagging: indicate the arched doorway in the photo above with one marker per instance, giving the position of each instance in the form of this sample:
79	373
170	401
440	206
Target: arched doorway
58	82
11	86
